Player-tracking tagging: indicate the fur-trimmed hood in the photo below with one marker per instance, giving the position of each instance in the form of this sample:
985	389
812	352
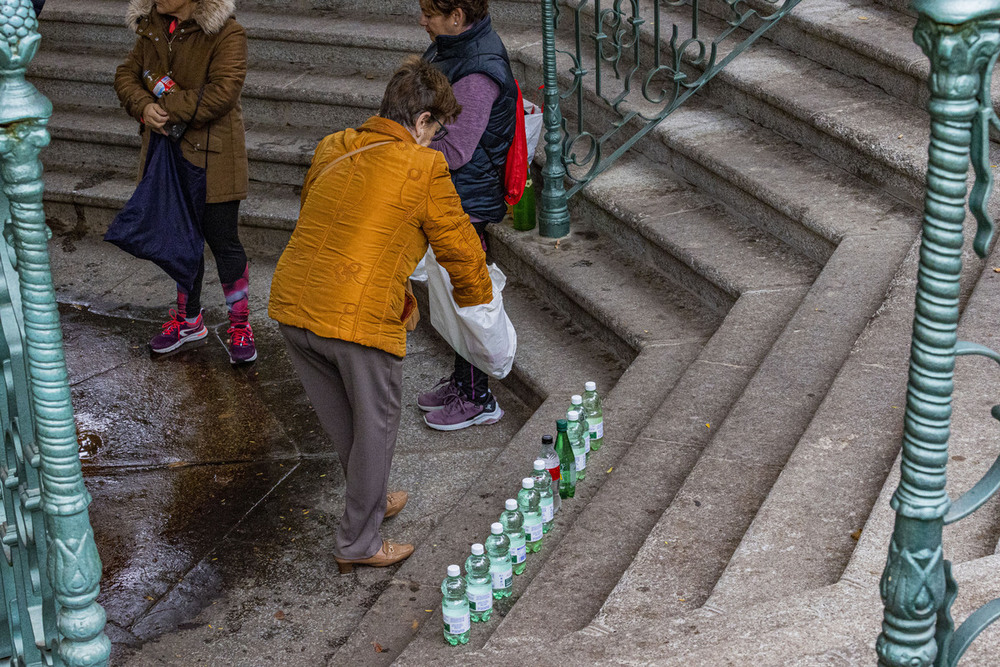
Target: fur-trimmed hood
210	15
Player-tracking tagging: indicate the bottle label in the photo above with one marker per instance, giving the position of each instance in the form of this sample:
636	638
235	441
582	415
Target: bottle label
534	531
502	578
457	622
163	86
480	597
554	473
597	427
586	441
518	552
547	509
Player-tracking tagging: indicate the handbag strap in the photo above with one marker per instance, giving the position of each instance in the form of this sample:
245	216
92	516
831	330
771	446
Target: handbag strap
347	155
341	159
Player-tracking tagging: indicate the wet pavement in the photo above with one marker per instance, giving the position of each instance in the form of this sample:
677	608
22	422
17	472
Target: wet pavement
216	493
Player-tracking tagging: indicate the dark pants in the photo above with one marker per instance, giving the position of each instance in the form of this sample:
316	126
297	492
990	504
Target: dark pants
356	392
221	229
474	383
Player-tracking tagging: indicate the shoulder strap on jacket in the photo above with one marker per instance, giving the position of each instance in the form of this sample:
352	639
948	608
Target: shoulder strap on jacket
343	157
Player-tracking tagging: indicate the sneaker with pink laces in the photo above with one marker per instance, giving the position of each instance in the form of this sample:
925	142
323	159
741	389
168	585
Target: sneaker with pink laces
177	332
241	346
438	397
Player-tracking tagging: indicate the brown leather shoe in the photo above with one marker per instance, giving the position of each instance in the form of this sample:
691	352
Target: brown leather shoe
390	554
395	502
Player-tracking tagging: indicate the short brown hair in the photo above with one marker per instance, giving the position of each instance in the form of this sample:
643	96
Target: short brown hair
417	87
475	10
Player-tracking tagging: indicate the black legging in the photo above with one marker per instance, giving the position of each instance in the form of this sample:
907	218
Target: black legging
221	229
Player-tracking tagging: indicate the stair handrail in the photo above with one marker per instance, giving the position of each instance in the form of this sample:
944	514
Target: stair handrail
50	570
962	40
679	67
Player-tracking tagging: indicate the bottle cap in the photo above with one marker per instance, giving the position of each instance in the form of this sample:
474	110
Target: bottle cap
546	439
511	504
560	424
527	483
573	416
590	386
477	549
539	464
454	571
496	528
576	399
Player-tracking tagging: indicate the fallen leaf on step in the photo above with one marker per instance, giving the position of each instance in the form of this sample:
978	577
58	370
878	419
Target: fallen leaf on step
996	269
279	615
415	624
611	468
958	458
378	647
862	18
708	426
856	535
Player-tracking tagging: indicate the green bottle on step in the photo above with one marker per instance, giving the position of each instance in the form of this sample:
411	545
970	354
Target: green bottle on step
567	461
595	415
524	210
529	500
513	526
479	584
455	608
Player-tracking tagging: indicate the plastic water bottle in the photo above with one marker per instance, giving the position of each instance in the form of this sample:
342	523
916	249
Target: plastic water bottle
455	608
567	461
595	415
513	526
543	484
552	465
574	431
528	500
501	569
576	403
478	585
157	84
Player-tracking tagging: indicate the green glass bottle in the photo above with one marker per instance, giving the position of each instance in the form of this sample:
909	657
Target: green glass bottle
524	210
567	461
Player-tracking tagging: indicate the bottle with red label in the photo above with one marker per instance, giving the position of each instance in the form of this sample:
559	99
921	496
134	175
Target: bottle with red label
551	459
158	85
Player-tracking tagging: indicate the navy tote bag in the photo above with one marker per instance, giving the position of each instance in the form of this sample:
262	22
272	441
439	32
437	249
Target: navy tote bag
162	220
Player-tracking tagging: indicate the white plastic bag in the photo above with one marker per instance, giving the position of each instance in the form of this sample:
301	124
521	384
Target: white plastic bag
483	335
532	127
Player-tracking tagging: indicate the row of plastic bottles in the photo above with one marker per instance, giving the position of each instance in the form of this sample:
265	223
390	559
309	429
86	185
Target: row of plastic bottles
490	570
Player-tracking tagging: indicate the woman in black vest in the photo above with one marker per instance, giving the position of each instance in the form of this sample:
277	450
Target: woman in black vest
471	55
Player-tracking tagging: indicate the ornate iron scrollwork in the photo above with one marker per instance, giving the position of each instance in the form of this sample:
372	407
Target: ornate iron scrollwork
612	50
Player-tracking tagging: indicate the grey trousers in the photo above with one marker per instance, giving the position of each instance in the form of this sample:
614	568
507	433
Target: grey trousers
356	392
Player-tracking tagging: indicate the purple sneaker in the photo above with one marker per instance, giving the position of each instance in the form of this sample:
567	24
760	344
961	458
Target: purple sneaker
241	347
438	397
459	412
176	332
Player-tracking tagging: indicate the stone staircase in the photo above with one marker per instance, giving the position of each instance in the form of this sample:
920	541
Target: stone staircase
740	284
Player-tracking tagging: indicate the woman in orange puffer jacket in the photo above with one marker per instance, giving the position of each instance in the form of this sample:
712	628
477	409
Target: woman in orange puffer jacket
373	199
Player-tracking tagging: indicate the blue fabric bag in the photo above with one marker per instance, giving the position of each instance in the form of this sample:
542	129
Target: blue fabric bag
162	220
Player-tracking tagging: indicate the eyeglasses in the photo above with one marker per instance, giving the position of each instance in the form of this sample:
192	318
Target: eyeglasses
442	130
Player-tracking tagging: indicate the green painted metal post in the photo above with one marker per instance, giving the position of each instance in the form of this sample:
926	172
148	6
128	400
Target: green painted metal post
553	216
72	565
962	39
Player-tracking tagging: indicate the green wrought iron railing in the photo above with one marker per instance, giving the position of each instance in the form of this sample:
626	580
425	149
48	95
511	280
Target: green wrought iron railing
50	569
641	60
962	40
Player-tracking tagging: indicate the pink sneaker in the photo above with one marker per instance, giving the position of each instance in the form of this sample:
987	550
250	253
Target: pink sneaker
459	413
177	332
241	346
438	397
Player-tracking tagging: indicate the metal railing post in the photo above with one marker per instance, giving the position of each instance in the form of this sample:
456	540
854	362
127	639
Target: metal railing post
33	346
962	39
553	216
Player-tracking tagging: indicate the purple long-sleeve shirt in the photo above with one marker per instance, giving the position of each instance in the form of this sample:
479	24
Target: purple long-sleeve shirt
476	93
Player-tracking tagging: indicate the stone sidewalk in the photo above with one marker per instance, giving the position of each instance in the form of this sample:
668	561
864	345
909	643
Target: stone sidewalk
216	493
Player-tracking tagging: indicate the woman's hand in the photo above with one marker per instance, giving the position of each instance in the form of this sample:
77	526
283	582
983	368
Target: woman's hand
155	117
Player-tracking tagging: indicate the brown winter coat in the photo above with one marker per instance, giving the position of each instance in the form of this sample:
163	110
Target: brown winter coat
364	225
208	50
